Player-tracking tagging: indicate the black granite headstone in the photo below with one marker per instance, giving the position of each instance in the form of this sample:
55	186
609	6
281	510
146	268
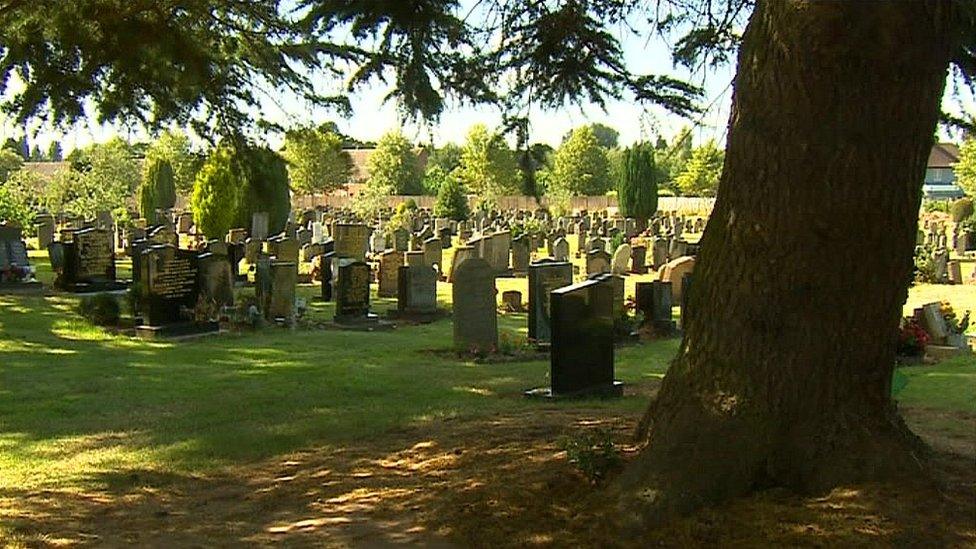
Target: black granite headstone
581	357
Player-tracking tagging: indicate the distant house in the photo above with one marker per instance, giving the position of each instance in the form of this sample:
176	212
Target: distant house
940	175
360	169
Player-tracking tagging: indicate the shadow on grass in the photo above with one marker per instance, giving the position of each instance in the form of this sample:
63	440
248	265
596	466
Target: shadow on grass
498	480
75	399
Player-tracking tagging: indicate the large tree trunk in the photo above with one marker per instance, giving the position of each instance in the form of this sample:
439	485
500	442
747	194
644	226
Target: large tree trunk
783	377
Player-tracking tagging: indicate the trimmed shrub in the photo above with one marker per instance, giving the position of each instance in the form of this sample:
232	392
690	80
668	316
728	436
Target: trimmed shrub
451	200
216	193
961	209
158	189
638	183
265	179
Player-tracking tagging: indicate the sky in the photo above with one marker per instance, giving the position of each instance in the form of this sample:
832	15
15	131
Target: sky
372	117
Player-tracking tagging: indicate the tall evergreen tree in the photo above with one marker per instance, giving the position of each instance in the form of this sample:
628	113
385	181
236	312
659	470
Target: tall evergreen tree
637	187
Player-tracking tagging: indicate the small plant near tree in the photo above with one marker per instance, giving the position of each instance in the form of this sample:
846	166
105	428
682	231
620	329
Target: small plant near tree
592	454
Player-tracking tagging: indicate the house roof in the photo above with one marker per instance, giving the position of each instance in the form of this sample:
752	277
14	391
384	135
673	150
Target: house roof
943	155
46	169
360	162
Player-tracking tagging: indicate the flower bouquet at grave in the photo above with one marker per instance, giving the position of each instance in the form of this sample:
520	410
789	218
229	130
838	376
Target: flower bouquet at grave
912	338
17	273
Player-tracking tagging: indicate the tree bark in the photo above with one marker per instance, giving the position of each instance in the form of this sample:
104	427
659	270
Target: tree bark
783	376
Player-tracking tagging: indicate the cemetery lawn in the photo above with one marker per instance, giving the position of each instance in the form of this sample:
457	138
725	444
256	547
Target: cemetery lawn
311	436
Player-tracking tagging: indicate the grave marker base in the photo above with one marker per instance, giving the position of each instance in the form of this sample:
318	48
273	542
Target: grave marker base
28	288
177	330
545	393
417	317
93	287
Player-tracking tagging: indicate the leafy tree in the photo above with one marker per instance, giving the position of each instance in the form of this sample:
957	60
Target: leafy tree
216	193
20	197
102	176
580	165
393	167
36	154
447	158
434	178
637	188
173	146
606	136
966	168
488	168
672	159
10	162
701	174
150	62
799	394
158	190
316	161
452	202
265	177
54	152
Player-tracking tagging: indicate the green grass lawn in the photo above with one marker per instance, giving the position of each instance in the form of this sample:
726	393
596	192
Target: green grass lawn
78	404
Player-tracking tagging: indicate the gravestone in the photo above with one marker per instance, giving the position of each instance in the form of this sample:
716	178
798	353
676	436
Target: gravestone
351	240
674	273
638	260
654	302
659	252
282	248
170	294
45	230
954	272
389	265
497	253
560	249
401	240
377	242
461	254
326	262
597	262
475	314
216	279
259	225
545	276
620	264
520	255
416	291
581	355
236	236
512	301
89	262
16	272
281	298
433	253
352	293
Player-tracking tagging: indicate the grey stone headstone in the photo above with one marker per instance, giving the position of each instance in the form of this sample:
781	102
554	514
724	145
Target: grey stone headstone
475	314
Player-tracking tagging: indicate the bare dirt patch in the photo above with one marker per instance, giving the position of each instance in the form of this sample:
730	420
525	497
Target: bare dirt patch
493	481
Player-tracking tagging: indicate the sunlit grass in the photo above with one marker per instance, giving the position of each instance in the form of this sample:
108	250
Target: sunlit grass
79	404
